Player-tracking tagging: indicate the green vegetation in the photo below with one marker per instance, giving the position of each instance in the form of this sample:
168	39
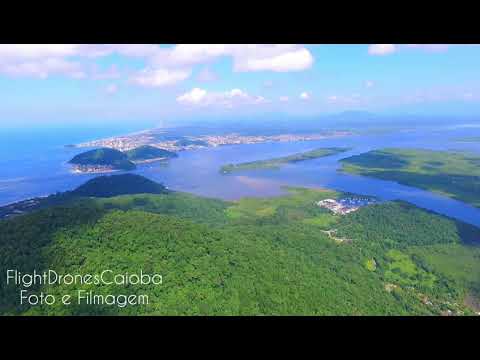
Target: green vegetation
101	186
255	256
108	186
454	174
371	265
452	261
117	160
279	162
104	157
402	270
148	152
188	142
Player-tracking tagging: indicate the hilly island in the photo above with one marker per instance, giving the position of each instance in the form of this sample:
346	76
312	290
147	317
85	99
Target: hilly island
108	159
284	255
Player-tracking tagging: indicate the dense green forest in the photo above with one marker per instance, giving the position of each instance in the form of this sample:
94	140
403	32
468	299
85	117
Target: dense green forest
270	256
148	152
188	142
278	162
113	185
118	160
454	174
101	186
104	157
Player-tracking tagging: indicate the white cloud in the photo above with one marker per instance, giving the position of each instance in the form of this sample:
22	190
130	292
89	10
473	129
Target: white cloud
283	98
369	83
381	49
188	54
42	68
133	50
278	58
246	57
385	49
35	51
110	73
194	96
165	65
234	97
283	61
86	50
429	47
111	89
305	95
40	60
206	75
160	77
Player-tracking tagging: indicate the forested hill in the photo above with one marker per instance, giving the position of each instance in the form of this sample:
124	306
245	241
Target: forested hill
256	256
101	186
114	185
106	157
148	152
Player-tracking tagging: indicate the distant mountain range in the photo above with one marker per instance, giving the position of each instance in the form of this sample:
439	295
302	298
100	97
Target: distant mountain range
272	123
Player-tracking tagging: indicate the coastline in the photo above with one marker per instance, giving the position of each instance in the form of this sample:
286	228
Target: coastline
86	169
149	137
148	161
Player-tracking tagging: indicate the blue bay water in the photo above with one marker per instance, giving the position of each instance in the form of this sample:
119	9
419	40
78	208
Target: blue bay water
33	161
34	164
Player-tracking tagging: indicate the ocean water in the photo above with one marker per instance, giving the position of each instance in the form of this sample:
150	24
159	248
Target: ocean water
35	164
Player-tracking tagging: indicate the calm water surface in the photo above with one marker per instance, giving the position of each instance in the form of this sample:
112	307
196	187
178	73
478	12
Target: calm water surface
38	169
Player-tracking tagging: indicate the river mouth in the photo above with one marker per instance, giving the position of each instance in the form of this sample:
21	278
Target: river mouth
205	179
197	171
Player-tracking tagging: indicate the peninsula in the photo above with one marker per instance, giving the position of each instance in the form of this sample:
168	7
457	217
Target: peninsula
276	163
147	153
160	139
451	173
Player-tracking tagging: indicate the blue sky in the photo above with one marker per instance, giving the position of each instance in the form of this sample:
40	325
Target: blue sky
46	85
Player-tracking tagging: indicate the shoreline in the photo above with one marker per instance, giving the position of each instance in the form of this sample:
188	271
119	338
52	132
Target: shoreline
91	169
147	137
83	172
148	161
284	191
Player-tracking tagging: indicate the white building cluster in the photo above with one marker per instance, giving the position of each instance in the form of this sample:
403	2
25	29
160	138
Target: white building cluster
344	206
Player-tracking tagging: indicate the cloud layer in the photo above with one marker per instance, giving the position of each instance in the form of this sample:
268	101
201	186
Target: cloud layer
228	99
386	49
164	65
381	49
